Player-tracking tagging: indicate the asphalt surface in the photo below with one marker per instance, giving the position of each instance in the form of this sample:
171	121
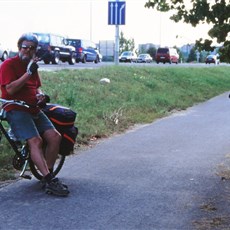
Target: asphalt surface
161	176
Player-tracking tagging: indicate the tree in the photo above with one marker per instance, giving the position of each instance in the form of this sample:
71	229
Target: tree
195	12
152	52
125	44
192	55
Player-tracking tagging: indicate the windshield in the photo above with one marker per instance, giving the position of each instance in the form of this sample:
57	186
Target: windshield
43	38
163	50
75	43
126	54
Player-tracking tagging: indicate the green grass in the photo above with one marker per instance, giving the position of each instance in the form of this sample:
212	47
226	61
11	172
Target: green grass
134	96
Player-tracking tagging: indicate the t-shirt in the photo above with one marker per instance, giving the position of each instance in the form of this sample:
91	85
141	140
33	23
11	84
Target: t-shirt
11	70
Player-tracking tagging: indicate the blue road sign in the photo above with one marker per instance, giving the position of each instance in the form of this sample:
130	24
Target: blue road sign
116	13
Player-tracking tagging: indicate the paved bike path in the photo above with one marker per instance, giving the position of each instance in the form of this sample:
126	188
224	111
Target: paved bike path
161	176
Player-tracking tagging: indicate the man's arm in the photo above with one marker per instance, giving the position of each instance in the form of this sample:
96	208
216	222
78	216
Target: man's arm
14	86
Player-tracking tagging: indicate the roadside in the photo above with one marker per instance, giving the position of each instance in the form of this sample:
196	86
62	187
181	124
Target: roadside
134	95
162	176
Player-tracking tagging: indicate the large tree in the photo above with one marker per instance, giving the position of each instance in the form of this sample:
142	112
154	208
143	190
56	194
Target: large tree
194	12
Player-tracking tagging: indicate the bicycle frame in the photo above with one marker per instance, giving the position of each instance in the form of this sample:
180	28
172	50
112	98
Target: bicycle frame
22	155
20	160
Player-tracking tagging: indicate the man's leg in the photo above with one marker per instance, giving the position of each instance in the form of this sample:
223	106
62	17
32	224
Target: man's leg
23	127
53	140
51	137
37	156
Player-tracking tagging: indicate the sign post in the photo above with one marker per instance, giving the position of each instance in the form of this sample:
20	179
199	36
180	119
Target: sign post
116	17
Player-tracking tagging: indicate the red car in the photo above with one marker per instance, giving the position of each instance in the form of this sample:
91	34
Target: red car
165	55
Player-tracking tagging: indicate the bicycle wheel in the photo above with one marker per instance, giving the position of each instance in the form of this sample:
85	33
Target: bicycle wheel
57	167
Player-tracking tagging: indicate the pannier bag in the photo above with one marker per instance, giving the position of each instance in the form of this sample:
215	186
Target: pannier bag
59	115
63	119
68	140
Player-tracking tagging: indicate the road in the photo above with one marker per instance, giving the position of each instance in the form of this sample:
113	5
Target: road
91	65
159	176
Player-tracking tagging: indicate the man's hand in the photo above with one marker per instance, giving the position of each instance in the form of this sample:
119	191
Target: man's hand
41	100
32	68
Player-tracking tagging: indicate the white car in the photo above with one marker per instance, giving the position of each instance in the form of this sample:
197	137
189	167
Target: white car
128	56
4	52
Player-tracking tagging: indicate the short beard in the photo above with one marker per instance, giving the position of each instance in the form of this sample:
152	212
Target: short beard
24	58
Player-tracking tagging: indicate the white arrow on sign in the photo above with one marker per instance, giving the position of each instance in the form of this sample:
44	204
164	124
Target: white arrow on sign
122	7
116	5
111	13
115	10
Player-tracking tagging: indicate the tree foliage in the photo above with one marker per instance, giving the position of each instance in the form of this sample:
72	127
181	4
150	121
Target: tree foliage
192	55
194	12
125	44
152	52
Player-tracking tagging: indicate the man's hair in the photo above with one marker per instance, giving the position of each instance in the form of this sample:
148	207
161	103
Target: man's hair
28	37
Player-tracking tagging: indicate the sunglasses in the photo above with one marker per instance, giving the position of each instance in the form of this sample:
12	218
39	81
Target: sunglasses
25	47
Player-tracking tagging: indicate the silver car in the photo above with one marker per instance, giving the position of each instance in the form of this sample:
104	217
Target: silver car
4	52
146	58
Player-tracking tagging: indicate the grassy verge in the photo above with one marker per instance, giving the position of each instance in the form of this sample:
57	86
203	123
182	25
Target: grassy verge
134	95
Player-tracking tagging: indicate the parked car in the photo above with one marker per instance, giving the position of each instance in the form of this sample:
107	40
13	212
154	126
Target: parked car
166	54
54	48
128	56
212	58
146	58
4	52
86	51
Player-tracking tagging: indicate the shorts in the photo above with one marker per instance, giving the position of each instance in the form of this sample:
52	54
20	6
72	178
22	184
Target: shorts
25	125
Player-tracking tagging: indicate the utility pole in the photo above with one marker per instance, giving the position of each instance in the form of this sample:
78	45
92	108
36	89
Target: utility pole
90	20
117	43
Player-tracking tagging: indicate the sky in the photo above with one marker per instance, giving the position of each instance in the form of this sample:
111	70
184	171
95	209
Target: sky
88	19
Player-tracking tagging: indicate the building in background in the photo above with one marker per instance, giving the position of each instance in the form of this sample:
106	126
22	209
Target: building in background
107	49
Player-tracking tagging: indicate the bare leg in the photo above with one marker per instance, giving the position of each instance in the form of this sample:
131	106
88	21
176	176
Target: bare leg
53	139
37	156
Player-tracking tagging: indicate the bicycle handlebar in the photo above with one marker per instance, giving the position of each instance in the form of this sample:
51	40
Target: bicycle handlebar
17	102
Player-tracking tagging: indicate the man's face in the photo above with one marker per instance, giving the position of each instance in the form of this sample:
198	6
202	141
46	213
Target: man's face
27	51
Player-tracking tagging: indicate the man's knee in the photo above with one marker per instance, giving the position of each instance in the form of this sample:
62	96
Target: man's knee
35	142
52	135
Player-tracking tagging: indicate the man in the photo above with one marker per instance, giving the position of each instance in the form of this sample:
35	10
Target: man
19	80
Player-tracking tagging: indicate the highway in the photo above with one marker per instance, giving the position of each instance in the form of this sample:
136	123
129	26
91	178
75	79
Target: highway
91	65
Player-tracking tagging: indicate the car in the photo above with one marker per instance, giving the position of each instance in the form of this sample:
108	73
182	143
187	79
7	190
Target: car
86	50
212	58
54	48
128	56
4	52
146	58
165	54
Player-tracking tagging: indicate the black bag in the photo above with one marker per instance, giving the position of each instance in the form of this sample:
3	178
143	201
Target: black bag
60	116
63	119
69	136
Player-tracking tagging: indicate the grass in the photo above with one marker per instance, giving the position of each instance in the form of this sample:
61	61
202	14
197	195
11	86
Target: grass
135	95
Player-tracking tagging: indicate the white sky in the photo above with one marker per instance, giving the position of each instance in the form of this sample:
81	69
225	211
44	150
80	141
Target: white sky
89	19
